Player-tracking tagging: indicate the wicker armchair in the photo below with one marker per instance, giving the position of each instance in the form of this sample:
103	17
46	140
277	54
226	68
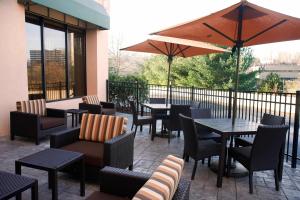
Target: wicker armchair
95	106
116	151
33	120
114	184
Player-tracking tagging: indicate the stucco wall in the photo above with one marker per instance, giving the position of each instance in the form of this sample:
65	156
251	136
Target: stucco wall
13	62
13	75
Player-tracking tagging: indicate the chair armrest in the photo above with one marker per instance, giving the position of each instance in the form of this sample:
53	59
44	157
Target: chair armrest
65	137
52	112
24	123
91	108
183	190
118	152
121	182
107	104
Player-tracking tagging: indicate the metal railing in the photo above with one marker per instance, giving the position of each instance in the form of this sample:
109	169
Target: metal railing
54	91
250	104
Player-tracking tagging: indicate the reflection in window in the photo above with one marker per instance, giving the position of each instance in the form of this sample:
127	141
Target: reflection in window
76	64
34	63
50	76
55	65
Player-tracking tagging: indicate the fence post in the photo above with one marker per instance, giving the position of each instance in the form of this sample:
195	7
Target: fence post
60	90
230	103
296	131
137	96
192	94
107	90
170	100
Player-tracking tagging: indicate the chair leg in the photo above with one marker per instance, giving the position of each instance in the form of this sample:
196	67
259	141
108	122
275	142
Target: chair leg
194	169
251	182
132	126
178	133
135	130
203	160
208	162
150	128
37	141
169	136
130	167
183	155
276	180
12	136
228	165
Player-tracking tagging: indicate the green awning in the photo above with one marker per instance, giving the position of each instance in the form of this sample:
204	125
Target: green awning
87	10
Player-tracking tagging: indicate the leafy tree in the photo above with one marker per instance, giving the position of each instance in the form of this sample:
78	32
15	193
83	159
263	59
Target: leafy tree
272	83
209	71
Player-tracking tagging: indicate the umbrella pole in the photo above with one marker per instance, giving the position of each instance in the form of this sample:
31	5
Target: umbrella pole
236	85
170	59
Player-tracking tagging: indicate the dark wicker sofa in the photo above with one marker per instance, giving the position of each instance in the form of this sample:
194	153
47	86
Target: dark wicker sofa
94	106
117	184
34	125
116	152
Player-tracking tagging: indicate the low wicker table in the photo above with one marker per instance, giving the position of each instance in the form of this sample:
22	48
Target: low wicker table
53	160
13	185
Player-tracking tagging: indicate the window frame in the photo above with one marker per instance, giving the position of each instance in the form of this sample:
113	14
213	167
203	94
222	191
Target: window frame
41	21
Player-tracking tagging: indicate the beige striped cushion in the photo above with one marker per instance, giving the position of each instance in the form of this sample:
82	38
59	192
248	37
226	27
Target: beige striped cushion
163	183
37	106
92	99
100	128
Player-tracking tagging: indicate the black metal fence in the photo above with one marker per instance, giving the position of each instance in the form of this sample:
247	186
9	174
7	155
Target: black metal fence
54	91
250	104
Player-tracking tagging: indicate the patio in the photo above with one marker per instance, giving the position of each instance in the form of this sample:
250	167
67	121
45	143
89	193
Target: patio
147	157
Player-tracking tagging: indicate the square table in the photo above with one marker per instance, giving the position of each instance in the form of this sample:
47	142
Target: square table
225	128
155	109
75	115
13	185
53	160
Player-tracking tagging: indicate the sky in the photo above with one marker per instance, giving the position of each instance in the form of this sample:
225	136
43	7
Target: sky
133	20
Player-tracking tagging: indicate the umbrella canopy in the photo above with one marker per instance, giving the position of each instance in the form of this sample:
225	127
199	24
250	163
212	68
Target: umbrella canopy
174	47
242	24
259	26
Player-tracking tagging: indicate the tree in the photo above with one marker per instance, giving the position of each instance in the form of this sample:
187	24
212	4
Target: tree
216	71
272	83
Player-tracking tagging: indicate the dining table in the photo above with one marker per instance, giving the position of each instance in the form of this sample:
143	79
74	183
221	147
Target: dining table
156	110
225	128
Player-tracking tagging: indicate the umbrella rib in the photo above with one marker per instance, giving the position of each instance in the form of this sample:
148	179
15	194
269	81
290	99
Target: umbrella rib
155	47
267	29
168	53
175	50
182	50
219	32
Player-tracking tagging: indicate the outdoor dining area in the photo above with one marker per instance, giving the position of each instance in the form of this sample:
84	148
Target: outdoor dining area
160	150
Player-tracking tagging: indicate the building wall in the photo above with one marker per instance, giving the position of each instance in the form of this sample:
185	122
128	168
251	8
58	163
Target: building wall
13	62
13	74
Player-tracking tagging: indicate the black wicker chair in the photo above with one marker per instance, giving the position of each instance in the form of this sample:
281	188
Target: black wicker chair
116	152
194	148
123	184
138	120
35	126
94	106
172	122
263	155
267	119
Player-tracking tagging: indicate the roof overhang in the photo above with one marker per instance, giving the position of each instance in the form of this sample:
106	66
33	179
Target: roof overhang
87	10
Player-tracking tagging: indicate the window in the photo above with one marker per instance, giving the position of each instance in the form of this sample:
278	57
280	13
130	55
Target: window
55	60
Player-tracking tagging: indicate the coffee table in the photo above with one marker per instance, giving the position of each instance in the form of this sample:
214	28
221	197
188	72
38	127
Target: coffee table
75	115
53	160
13	185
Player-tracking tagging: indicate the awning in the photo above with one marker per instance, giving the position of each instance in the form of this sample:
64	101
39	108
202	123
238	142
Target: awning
87	10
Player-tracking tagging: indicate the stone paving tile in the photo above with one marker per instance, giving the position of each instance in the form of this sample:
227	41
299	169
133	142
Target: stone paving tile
147	156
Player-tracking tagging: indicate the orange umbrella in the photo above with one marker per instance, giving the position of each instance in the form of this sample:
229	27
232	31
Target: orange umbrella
239	25
174	47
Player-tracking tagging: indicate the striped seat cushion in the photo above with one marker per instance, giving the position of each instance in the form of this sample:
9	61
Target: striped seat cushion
163	183
100	128
37	106
92	99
